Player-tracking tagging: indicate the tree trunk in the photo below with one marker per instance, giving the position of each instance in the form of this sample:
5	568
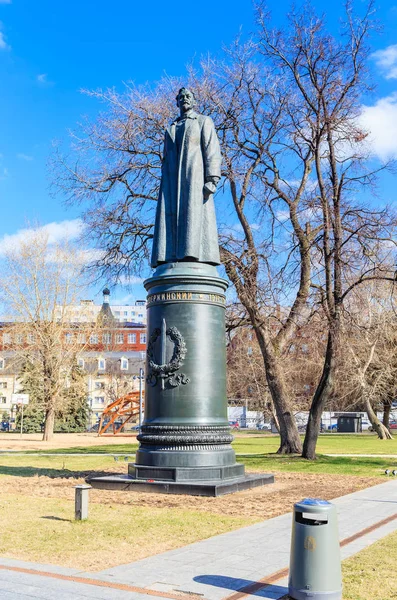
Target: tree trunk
320	399
381	430
290	441
272	410
386	414
49	425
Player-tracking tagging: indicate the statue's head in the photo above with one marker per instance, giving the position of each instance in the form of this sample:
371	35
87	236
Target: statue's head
185	99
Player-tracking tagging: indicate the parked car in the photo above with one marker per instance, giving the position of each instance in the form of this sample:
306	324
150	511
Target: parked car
234	424
333	427
264	426
393	424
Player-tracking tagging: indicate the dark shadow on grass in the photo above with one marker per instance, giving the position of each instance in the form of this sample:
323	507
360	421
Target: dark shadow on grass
100	450
56	519
52	473
253	588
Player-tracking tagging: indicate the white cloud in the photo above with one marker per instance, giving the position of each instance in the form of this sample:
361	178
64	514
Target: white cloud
24	156
42	78
380	120
282	215
57	232
386	60
4	173
5	1
3	43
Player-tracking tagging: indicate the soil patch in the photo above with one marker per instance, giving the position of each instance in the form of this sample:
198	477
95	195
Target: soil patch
262	503
33	441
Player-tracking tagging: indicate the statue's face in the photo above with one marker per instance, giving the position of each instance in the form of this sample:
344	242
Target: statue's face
185	100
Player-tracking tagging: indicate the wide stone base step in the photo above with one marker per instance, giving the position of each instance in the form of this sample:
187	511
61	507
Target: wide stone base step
192	488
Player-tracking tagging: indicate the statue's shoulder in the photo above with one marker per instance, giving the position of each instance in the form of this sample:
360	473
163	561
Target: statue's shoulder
203	119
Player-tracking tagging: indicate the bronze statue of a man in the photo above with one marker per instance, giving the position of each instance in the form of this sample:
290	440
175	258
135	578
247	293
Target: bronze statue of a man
185	226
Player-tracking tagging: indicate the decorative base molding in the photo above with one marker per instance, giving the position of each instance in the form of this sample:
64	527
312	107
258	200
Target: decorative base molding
186	474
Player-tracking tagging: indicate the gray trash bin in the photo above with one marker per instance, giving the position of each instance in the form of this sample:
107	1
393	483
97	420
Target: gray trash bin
315	563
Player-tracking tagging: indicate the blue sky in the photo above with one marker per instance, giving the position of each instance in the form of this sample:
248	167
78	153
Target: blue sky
50	50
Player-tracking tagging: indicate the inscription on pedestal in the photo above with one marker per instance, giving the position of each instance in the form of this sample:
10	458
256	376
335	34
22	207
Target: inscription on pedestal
217	299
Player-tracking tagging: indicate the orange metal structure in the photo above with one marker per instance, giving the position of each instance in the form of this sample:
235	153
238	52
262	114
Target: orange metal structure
118	413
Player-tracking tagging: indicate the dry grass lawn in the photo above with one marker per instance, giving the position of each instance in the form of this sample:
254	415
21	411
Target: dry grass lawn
37	503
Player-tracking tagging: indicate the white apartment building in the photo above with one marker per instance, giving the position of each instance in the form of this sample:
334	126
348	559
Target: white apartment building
87	310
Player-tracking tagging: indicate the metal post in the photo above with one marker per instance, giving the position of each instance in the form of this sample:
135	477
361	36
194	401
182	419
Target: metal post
81	502
140	397
21	420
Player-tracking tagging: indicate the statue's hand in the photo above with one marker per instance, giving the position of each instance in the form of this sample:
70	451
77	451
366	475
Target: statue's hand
209	188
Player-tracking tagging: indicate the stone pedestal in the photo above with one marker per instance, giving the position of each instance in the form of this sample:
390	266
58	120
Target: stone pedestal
185	437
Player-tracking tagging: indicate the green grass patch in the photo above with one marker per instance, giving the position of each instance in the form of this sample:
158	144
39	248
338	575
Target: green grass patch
57	466
371	574
338	465
327	444
64	466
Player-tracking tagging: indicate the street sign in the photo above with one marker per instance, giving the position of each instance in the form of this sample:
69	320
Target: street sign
22	399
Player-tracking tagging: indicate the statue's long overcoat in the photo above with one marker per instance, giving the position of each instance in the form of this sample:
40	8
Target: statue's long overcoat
185	226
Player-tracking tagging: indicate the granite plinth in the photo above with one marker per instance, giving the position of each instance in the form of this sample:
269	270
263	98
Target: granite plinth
192	488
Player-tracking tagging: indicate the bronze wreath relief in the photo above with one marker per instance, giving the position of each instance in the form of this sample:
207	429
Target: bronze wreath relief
166	371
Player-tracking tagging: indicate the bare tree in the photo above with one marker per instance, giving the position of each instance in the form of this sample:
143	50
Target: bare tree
369	332
329	78
39	281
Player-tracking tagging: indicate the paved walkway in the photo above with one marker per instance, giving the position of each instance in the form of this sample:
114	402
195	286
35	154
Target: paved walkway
246	563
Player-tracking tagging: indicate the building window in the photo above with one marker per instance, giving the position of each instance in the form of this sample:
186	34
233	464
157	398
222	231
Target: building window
6	338
80	363
3	384
2	363
81	338
117	313
19	338
119	338
140	316
100	400
124	364
68	338
93	338
250	336
3	400
249	351
304	348
101	364
31	338
107	338
99	385
143	338
132	338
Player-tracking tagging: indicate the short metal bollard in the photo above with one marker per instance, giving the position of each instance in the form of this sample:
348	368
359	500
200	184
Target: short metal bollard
315	563
81	502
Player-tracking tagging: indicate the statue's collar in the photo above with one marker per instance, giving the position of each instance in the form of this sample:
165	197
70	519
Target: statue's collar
191	115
